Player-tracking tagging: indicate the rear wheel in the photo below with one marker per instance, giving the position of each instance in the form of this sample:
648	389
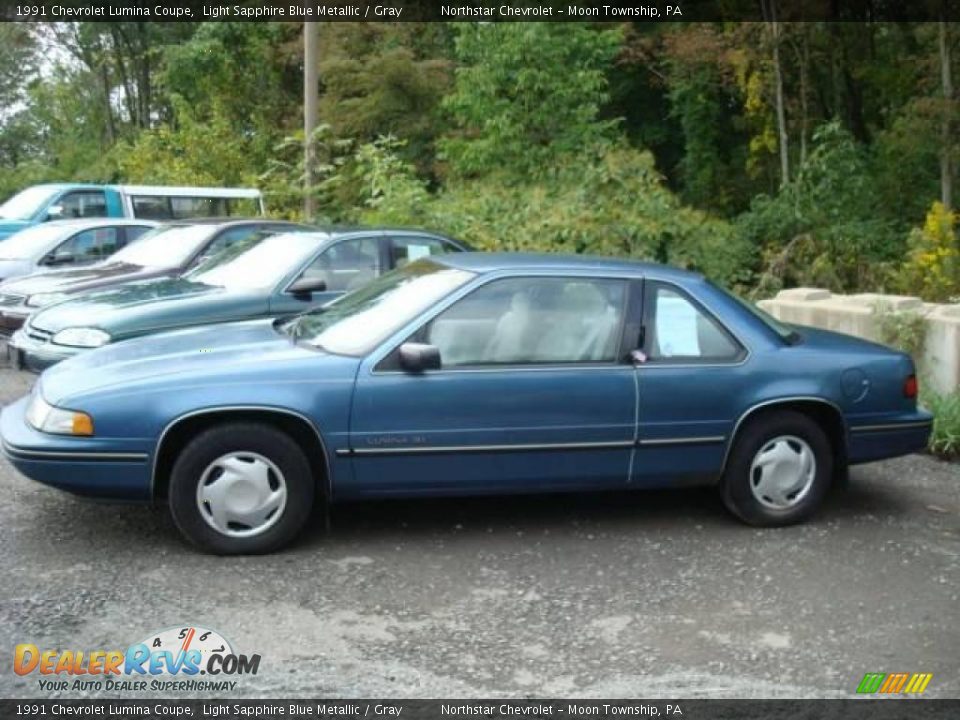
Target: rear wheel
241	488
779	469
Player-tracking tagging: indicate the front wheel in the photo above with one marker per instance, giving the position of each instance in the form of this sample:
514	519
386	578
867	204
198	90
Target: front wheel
779	469
241	488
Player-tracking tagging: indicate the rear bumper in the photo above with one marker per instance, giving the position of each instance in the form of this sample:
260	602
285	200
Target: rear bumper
103	468
889	437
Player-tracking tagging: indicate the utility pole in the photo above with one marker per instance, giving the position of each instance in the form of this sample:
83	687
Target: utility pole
311	101
946	127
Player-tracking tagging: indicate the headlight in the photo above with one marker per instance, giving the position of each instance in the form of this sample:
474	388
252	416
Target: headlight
44	299
46	418
81	337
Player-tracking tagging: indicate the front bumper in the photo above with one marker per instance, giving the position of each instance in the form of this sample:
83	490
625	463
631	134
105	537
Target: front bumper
11	321
889	436
110	468
24	351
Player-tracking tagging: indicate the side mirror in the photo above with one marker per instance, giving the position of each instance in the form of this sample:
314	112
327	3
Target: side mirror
55	212
306	286
417	357
57	258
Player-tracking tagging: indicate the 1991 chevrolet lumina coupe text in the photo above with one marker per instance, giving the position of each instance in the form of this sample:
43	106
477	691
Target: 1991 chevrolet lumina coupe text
466	374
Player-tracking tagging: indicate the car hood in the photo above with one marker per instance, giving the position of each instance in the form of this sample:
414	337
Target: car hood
149	306
14	268
85	278
9	227
214	351
819	339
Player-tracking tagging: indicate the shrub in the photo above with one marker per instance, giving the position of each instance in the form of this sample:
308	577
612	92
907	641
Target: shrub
945	439
933	267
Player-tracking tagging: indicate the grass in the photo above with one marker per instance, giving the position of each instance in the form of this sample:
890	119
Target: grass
945	439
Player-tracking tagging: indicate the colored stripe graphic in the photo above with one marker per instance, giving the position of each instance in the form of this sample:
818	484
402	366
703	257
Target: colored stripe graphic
871	682
892	683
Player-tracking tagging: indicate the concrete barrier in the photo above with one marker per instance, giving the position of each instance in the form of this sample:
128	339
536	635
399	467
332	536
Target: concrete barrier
858	315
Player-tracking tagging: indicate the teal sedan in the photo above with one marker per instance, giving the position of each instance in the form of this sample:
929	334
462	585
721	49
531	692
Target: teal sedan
264	276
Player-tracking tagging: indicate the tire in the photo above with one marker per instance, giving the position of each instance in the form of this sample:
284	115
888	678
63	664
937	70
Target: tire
241	488
768	481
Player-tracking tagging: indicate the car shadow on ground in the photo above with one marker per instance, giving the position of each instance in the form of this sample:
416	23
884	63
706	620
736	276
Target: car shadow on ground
617	512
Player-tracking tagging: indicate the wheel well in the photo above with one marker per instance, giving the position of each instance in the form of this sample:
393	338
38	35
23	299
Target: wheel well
823	413
176	437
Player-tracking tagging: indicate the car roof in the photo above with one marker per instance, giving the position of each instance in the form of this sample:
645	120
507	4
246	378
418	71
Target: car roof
232	222
480	262
74	223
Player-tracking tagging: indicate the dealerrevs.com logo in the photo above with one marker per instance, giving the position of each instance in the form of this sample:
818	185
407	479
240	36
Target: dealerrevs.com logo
170	660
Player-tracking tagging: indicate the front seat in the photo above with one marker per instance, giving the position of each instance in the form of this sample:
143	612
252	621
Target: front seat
511	334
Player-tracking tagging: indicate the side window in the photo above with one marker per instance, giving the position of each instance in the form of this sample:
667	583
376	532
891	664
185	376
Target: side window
404	250
348	265
532	320
229	238
133	232
680	331
81	204
108	241
191	207
88	246
151	208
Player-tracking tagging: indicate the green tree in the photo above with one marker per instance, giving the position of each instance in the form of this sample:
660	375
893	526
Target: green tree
387	80
526	93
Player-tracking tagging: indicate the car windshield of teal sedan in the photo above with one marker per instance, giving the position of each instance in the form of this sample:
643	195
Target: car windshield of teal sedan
31	243
357	322
163	247
25	204
258	263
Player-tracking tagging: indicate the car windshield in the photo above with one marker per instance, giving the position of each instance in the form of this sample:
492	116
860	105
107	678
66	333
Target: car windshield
357	322
785	332
25	204
164	246
258	262
31	243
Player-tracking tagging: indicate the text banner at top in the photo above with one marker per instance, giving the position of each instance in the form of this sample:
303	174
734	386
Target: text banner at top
480	11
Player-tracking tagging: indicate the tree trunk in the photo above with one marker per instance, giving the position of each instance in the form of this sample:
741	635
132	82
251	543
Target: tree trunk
946	137
778	87
310	114
802	50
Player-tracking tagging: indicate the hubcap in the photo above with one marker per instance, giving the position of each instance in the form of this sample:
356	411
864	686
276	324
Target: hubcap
241	494
782	472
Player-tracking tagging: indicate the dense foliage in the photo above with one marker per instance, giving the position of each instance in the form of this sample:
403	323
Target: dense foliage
667	142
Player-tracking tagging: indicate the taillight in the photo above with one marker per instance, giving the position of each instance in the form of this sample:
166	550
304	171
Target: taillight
910	387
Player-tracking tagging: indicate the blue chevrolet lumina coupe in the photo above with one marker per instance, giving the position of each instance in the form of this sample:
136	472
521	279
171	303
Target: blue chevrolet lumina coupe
466	374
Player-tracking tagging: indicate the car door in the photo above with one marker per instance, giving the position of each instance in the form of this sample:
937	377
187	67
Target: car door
689	368
533	393
345	265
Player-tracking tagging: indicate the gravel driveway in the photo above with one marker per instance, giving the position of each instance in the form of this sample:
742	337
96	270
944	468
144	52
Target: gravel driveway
655	594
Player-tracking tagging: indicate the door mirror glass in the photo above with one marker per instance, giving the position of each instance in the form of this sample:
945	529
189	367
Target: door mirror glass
307	285
55	212
417	357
